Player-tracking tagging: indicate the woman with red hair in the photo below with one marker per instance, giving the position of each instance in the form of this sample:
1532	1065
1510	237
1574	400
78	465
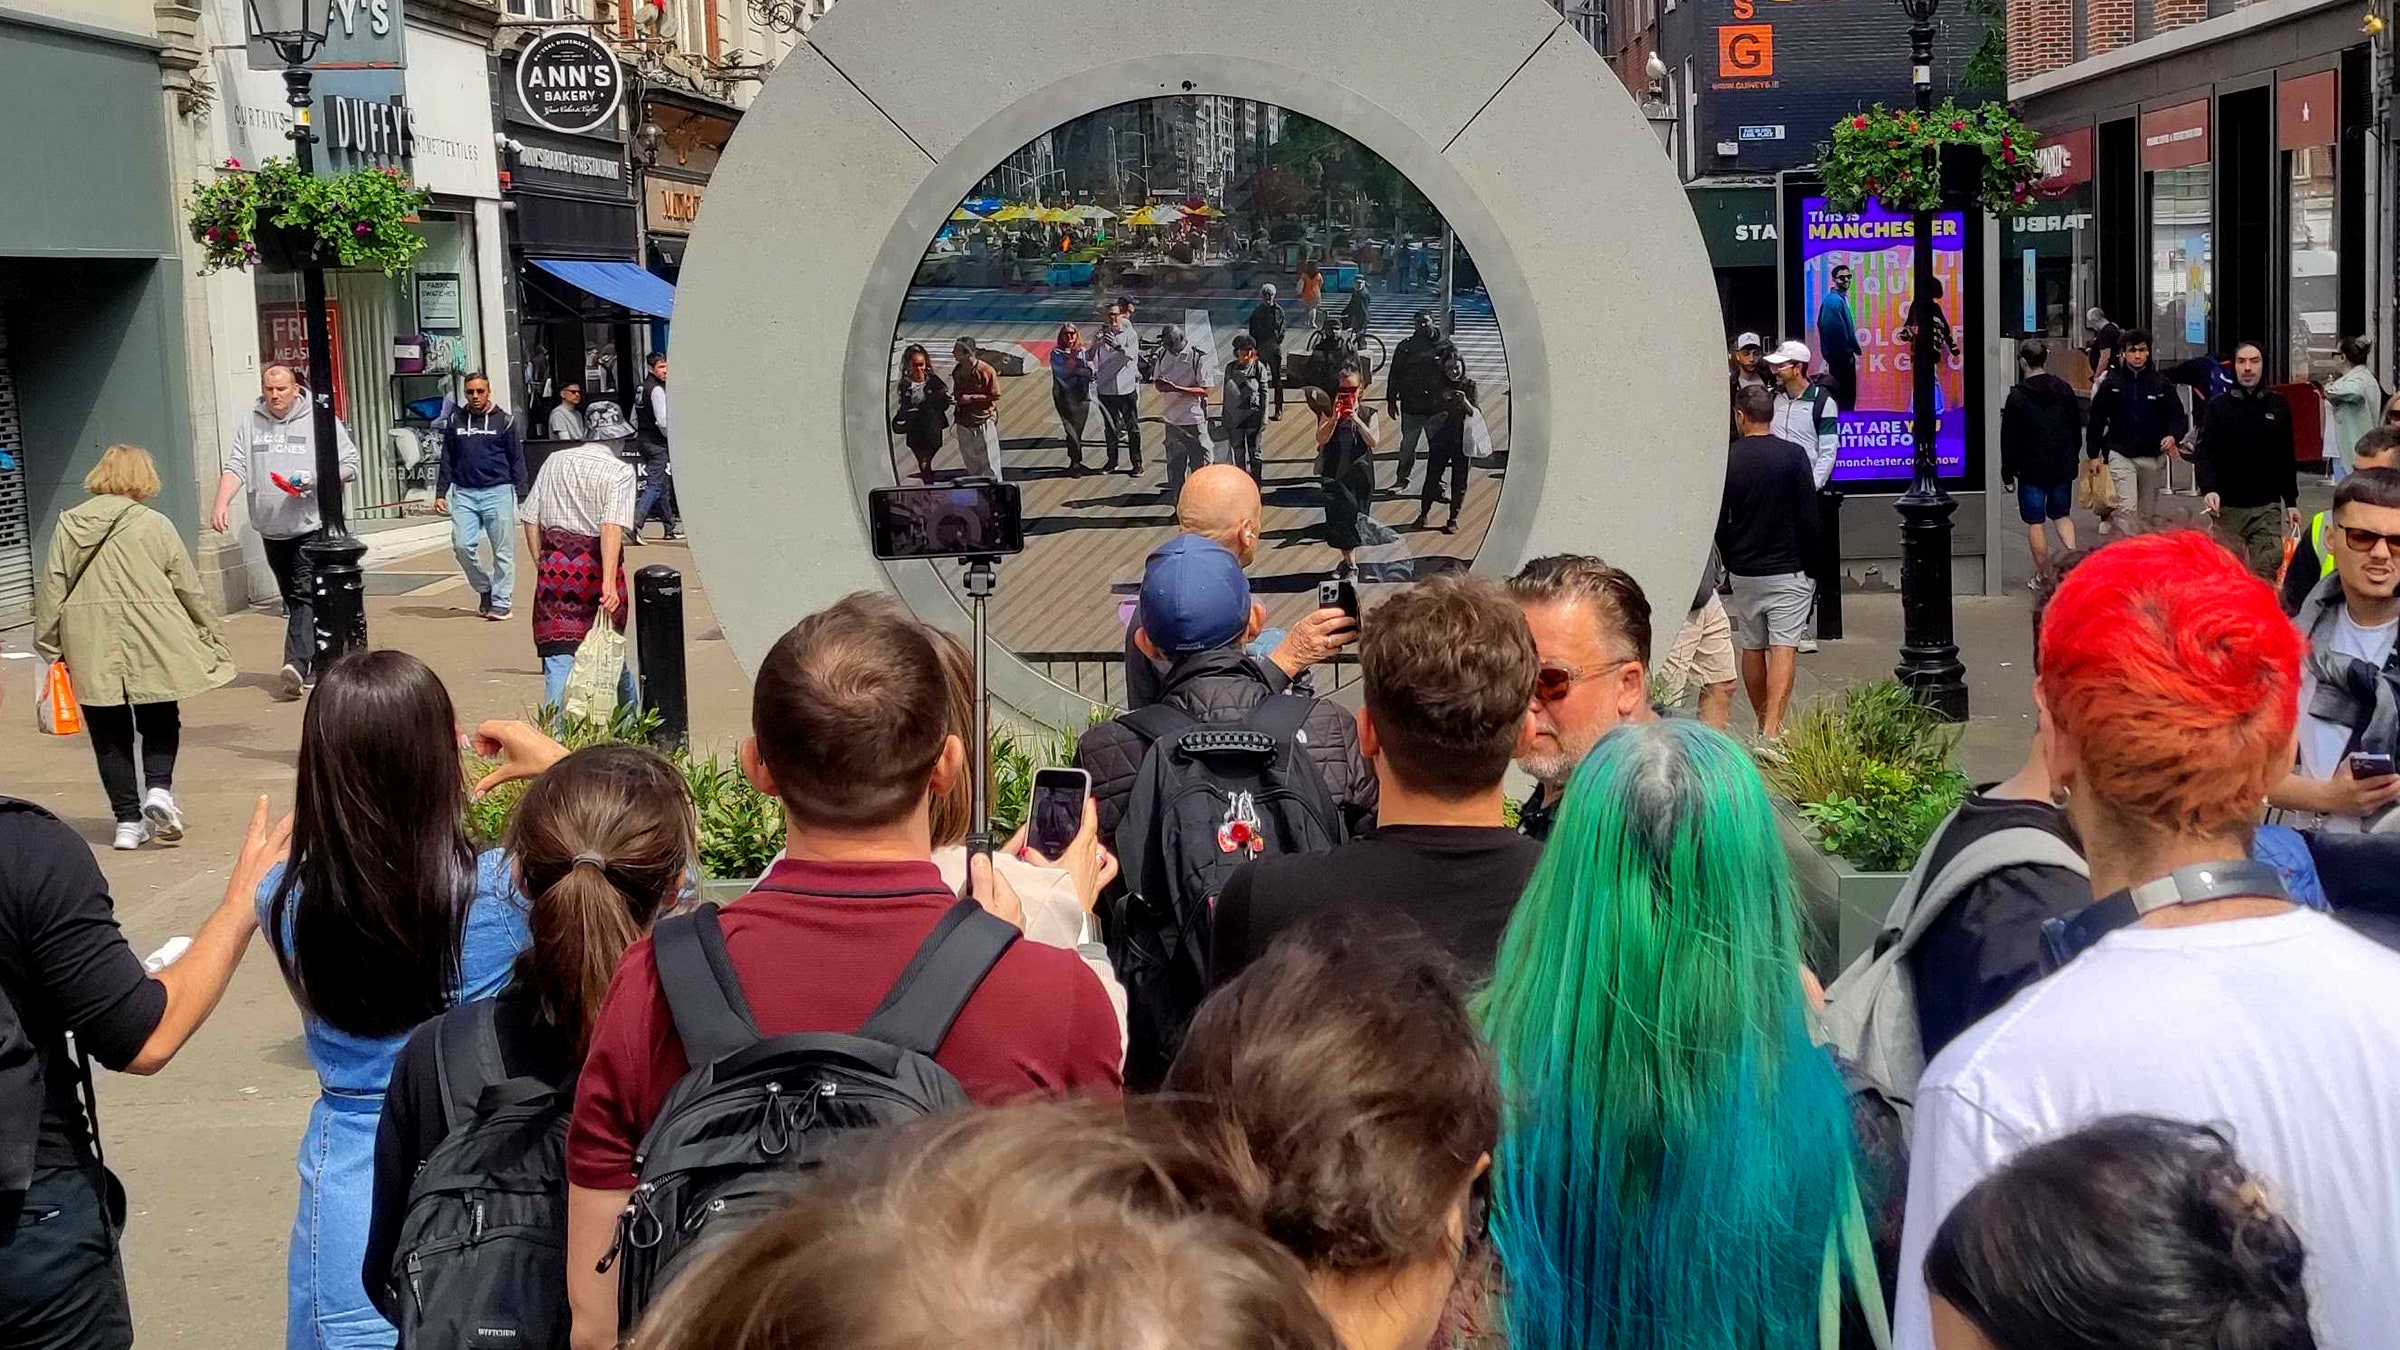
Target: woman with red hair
2194	990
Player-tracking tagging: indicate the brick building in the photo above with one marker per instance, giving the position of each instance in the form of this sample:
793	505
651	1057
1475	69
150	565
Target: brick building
2216	175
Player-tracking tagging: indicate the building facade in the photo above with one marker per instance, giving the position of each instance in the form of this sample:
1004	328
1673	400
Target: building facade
2221	174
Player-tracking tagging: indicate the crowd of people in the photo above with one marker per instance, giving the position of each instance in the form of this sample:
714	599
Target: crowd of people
1409	1065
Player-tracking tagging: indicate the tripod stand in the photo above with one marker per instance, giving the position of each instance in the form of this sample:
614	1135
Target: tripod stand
982	578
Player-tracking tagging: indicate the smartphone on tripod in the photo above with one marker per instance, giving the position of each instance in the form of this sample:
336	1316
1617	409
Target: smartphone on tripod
970	518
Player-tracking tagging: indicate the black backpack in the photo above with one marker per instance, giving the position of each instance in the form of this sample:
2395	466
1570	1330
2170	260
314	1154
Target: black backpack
756	1115
1208	798
481	1258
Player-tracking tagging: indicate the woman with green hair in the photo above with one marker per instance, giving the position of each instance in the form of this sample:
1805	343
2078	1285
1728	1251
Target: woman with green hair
1676	1161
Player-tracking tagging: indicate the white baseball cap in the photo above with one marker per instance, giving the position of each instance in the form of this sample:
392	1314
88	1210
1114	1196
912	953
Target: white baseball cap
1789	354
1747	340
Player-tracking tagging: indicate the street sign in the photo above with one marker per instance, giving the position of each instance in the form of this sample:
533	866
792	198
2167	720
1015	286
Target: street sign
1766	133
569	82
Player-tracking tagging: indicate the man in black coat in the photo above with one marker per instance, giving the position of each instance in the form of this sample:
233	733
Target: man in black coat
2137	421
2249	478
1415	391
1266	329
2041	438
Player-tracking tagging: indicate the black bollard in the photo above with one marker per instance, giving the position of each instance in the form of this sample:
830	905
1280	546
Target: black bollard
1829	564
658	638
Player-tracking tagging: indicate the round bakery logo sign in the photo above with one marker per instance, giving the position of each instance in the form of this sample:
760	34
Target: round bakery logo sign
568	82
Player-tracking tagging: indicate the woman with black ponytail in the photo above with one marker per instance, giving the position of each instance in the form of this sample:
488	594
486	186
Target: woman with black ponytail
600	847
2133	1233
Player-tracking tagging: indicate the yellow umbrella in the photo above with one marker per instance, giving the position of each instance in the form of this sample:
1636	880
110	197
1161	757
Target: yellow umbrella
1155	215
1011	212
1057	215
1204	210
963	216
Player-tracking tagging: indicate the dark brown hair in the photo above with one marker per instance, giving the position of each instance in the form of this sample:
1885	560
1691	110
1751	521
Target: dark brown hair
366	919
601	842
1612	593
850	711
1342	1086
1449	667
1046	1226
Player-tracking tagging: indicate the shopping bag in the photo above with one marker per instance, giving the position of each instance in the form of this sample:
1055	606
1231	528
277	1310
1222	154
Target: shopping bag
1478	436
592	682
2094	489
55	710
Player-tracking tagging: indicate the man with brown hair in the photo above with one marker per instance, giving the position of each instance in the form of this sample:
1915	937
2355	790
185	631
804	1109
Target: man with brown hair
1591	626
849	729
1449	669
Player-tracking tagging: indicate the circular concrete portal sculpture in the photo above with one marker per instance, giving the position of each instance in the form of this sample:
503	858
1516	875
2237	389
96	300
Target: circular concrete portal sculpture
873	129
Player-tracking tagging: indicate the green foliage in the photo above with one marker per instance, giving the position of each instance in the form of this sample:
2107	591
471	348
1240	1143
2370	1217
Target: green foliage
1892	156
1986	71
1871	769
359	218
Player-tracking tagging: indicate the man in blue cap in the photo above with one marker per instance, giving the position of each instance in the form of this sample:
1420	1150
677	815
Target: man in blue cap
1195	616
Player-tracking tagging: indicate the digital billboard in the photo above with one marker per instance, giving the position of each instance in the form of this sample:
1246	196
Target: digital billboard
1879	248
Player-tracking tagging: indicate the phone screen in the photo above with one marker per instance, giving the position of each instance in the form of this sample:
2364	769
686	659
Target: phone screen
946	521
2366	765
1055	816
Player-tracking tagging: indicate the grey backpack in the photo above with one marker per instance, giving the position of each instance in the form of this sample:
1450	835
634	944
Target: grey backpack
1870	1016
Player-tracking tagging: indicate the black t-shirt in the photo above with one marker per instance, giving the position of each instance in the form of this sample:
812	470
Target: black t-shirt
65	967
1459	883
2106	338
1987	943
412	1124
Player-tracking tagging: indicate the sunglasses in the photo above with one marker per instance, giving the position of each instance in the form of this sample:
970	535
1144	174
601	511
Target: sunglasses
1553	683
2364	541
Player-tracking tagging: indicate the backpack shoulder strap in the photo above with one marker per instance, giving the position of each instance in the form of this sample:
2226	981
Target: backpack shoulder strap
2016	846
696	974
1281	716
946	971
466	1059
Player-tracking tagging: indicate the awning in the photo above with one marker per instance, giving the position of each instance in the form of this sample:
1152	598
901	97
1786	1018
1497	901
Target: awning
619	283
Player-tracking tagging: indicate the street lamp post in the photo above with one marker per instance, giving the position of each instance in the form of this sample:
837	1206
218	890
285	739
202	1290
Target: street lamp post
1929	663
337	587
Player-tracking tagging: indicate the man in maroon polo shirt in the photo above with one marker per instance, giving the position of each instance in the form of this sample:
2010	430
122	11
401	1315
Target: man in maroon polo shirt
847	728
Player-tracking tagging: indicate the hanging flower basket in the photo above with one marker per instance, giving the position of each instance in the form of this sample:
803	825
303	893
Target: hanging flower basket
281	217
1983	157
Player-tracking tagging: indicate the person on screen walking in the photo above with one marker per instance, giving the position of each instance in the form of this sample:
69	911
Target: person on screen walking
1837	339
1266	329
1117	372
1183	378
1071	377
975	394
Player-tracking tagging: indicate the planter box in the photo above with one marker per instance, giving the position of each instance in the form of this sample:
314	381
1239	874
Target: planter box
1844	906
286	248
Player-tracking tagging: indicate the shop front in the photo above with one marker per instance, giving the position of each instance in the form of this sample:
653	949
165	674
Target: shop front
2048	255
91	283
677	139
584	300
2226	197
1739	223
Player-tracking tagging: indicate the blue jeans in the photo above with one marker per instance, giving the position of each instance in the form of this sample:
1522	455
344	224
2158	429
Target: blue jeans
555	670
328	1307
486	515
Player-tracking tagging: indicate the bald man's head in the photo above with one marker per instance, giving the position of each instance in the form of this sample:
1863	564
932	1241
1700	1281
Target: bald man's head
1221	502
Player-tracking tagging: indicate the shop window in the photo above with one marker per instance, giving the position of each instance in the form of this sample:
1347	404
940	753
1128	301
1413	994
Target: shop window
2313	283
2182	266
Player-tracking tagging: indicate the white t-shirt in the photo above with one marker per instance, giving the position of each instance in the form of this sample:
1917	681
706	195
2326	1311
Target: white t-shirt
2284	1030
2322	743
1190	368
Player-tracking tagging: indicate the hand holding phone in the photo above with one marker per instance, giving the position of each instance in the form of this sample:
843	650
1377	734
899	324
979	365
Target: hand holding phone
1339	593
1055	815
2366	765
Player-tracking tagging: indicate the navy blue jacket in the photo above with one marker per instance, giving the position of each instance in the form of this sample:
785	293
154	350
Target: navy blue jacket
481	450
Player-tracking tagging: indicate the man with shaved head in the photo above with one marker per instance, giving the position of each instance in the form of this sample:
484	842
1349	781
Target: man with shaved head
273	465
1220	502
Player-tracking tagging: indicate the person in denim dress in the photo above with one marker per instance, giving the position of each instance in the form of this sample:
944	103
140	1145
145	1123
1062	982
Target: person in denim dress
384	917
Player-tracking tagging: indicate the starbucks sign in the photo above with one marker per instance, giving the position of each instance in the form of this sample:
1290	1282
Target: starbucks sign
569	82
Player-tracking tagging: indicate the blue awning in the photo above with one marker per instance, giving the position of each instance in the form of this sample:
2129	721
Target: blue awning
620	283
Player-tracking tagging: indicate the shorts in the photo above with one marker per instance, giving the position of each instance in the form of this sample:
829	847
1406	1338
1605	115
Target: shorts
2036	503
1703	651
1771	611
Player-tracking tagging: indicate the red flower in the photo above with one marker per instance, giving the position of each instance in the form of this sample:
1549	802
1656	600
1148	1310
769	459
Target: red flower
232	163
2007	156
2006	140
1958	126
1858	123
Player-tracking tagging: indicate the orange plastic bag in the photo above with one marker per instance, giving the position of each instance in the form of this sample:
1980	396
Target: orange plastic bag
2291	543
55	710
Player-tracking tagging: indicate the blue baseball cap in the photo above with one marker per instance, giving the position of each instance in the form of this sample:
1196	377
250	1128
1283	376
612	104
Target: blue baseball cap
1194	596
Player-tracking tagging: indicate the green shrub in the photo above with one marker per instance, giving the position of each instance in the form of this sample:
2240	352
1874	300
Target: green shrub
1869	768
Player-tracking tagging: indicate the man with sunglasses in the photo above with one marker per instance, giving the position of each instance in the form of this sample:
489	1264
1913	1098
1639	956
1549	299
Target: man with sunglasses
2312	557
2350	690
1591	632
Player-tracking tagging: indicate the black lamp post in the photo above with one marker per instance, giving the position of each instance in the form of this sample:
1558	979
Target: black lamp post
295	29
1929	663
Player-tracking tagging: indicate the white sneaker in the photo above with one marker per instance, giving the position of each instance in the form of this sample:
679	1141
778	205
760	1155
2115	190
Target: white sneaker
132	834
1808	646
160	813
294	684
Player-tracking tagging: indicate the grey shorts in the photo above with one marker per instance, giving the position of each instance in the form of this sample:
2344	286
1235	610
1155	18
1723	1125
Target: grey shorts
1771	611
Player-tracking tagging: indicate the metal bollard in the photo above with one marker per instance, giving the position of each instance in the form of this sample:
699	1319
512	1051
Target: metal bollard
1828	564
658	640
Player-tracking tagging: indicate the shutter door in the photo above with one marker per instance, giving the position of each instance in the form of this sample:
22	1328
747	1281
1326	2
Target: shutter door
16	523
